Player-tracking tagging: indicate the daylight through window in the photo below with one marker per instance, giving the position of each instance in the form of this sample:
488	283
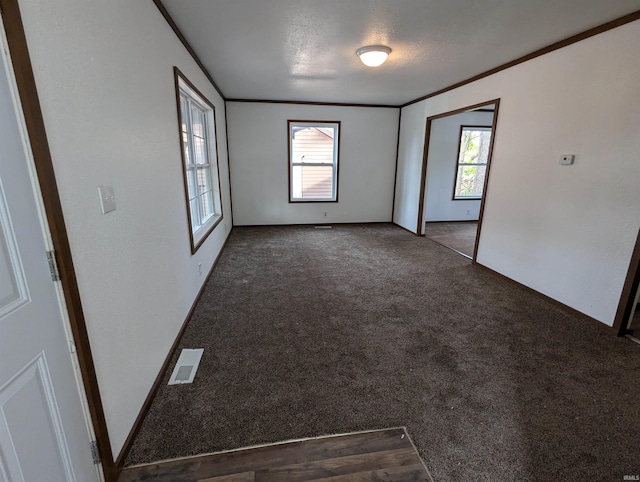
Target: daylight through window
313	161
198	138
472	162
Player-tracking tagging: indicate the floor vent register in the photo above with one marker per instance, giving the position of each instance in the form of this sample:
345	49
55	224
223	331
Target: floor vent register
185	370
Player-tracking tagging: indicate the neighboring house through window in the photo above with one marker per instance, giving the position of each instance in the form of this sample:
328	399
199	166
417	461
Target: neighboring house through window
197	121
313	161
471	168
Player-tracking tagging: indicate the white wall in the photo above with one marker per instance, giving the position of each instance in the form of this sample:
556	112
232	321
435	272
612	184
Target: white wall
258	141
104	75
566	231
441	168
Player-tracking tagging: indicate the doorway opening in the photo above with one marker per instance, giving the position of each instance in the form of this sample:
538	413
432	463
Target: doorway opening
455	173
627	321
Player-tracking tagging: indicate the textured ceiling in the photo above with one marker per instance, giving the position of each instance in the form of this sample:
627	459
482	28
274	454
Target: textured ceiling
305	50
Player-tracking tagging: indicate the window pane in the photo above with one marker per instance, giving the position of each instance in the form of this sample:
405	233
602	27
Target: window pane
195	215
312	144
185	145
474	146
200	150
470	181
315	182
197	121
191	183
204	179
205	203
183	114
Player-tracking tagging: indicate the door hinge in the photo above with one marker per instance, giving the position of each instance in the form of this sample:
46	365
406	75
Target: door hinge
53	265
95	454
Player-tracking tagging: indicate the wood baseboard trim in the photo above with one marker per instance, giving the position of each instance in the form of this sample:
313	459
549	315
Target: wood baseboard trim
455	221
119	462
559	304
302	225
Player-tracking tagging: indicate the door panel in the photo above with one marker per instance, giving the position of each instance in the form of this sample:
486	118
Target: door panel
43	431
12	283
31	437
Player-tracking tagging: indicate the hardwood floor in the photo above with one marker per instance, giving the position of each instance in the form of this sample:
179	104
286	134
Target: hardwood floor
457	235
382	455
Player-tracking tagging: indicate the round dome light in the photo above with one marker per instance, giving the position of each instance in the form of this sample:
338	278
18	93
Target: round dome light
373	55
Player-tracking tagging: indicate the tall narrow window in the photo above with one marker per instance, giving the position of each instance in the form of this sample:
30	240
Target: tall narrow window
200	160
473	153
313	161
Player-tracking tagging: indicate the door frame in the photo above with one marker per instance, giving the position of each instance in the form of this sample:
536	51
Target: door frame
34	121
425	160
629	290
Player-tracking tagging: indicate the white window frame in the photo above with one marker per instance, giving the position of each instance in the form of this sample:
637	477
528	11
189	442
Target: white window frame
199	228
336	150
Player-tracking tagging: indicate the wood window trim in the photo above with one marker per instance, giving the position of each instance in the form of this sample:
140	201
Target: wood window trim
304	201
455	174
180	77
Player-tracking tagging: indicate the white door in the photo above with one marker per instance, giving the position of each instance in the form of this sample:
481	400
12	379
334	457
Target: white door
43	432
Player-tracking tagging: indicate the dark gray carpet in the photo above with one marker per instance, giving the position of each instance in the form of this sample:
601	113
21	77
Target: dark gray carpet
310	332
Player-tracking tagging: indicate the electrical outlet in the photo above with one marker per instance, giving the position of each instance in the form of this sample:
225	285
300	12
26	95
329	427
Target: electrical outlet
226	228
200	269
468	212
325	215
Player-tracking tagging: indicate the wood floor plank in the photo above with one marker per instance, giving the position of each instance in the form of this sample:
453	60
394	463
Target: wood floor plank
171	471
340	466
262	458
407	473
243	477
376	456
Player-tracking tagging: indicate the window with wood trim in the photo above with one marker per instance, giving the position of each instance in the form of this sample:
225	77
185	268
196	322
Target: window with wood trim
313	161
471	166
196	117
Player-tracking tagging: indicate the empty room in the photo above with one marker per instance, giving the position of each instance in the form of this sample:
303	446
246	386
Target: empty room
294	240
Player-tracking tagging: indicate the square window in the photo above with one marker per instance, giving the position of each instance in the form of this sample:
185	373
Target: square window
313	161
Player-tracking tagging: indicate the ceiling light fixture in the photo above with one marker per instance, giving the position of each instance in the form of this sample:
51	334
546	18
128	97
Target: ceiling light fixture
373	55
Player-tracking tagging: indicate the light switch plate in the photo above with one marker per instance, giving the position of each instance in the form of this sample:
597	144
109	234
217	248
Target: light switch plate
107	199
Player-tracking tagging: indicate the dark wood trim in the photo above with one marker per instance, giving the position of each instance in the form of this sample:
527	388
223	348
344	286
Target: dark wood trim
425	159
395	176
309	102
455	174
537	53
484	110
485	188
553	301
452	221
179	76
423	175
291	121
307	225
34	121
464	109
226	133
126	447
629	290
182	38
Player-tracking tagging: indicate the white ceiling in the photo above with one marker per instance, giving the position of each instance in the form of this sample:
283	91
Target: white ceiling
305	50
